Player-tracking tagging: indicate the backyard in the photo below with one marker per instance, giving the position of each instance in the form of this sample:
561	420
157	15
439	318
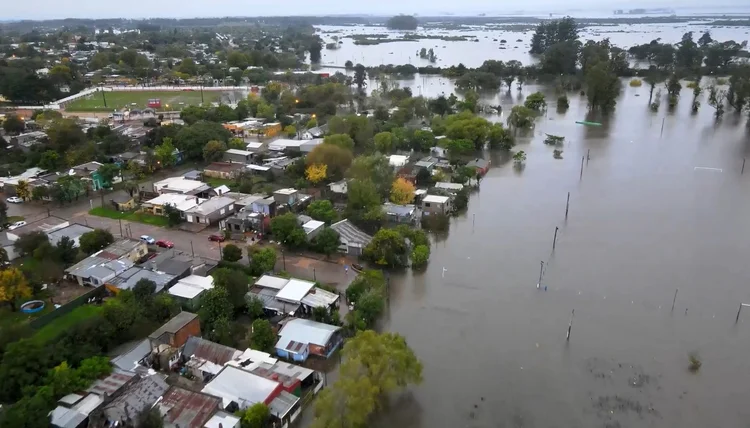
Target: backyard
136	216
170	100
59	325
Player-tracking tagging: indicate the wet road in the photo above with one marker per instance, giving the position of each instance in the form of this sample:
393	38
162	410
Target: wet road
650	215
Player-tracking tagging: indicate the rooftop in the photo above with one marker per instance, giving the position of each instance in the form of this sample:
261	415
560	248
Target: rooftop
243	199
197	347
270	281
234	384
312	226
449	186
283	144
287	191
191	286
268	296
178	185
46	225
295	290
187	409
305	331
222	420
351	233
129	360
319	298
128	279
225	166
239	152
74	231
436	199
398	160
479	163
180	201
212	205
99	267
398	210
138	396
174	325
111	384
122	247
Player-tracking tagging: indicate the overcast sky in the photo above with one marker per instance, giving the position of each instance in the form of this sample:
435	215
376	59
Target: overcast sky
52	9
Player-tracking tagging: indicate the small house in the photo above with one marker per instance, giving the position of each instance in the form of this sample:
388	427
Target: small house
265	206
123	202
404	214
451	188
300	338
238	156
352	240
182	408
481	165
225	170
398	161
434	204
287	196
189	290
176	331
211	211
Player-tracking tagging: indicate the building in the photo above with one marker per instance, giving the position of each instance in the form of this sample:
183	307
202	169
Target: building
310	226
181	202
187	409
108	263
138	396
352	240
451	188
205	359
481	165
223	420
88	172
128	279
188	291
73	410
427	163
282	296
265	206
28	139
176	331
224	170
339	188
316	132
210	211
434	204
300	338
283	144
131	359
123	202
398	161
238	156
309	145
183	186
73	231
405	214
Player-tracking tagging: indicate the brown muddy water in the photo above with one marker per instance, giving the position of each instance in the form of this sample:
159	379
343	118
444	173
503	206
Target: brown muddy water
651	214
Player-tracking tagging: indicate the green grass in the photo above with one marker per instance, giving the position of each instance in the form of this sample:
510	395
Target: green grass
119	100
56	327
139	217
216	182
15	218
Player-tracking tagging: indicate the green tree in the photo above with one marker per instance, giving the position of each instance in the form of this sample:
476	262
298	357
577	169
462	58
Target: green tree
420	255
187	66
422	141
519	157
341	140
108	172
23	190
64	134
255	416
384	142
387	248
536	102
360	76
603	87
520	117
97	239
254	306
165	153
191	140
143	290
214	151
363	200
150	417
266	111
262	337
66	251
261	260
327	241
322	210
235	282
28	242
50	160
231	253
335	158
282	226
215	304
13	124
500	137
174	216
375	168
3	212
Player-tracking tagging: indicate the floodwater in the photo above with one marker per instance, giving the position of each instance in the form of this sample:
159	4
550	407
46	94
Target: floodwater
474	53
654	211
660	205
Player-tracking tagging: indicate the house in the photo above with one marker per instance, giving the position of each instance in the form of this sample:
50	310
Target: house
427	163
188	290
434	204
316	132
125	248
108	263
451	188
129	278
73	410
243	200
123	202
28	139
353	241
281	295
193	175
294	291
440	152
182	186
139	396
239	389
7	245
182	408
308	145
225	170
299	338
131	359
210	211
310	226
291	376
73	231
398	161
339	188
265	206
180	201
176	331
238	156
283	144
287	196
223	420
205	359
405	214
220	190
113	384
89	172
481	165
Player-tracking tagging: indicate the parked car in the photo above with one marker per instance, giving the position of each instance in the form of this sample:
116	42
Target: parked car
147	239
217	238
164	243
16	225
14	200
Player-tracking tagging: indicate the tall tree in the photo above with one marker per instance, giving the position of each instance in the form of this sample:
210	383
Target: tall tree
360	76
13	286
262	337
97	239
235	282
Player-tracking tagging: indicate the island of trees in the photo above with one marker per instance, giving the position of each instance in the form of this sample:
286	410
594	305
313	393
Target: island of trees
402	22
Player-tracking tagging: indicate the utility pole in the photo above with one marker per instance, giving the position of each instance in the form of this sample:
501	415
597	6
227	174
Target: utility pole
567	205
582	159
120	220
554	240
541	269
743	166
191	249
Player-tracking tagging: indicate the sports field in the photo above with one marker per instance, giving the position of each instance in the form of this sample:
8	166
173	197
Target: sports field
170	100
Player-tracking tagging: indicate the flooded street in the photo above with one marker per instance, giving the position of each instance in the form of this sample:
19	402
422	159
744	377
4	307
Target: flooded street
645	219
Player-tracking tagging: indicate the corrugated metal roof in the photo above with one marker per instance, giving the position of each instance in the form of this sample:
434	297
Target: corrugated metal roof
174	325
187	409
198	347
351	233
295	290
305	331
319	298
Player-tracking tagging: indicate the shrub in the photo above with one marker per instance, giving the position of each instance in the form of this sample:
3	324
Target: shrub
721	81
562	102
636	83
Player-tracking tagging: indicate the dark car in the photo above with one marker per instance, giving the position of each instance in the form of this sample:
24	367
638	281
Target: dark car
164	243
216	238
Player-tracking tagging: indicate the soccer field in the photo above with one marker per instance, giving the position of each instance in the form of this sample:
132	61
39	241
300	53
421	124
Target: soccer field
170	100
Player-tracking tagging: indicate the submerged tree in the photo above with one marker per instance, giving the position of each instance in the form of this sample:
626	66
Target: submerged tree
716	98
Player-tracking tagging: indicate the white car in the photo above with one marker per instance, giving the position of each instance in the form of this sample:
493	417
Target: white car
16	225
14	200
147	239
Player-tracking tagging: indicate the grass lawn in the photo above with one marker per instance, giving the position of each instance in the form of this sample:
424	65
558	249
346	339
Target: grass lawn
139	217
56	327
14	218
176	100
216	182
8	317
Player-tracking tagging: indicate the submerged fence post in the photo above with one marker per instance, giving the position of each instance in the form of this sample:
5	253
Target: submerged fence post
567	205
743	166
541	269
662	127
736	320
675	298
588	155
570	324
554	240
582	159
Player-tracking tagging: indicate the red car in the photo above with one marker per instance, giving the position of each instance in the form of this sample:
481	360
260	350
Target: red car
164	243
216	238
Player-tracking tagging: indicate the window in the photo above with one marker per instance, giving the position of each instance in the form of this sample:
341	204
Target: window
427	204
95	281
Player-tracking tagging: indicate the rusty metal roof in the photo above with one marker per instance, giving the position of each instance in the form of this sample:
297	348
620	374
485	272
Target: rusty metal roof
210	351
187	409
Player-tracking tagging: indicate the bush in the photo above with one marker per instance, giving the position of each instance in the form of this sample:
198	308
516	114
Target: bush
231	253
562	102
636	83
420	255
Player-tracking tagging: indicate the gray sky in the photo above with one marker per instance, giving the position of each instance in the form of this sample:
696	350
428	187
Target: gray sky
51	9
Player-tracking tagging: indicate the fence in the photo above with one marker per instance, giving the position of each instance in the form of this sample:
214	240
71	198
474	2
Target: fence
67	308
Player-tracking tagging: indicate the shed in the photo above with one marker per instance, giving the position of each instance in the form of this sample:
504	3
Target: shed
176	331
187	409
301	337
295	290
352	240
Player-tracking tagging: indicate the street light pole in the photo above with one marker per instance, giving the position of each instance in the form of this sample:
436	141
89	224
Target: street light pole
283	258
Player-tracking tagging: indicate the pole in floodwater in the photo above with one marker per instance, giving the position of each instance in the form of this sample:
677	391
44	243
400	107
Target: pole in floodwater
736	320
662	127
473	220
567	205
541	269
582	159
570	324
675	298
192	251
554	240
588	155
743	166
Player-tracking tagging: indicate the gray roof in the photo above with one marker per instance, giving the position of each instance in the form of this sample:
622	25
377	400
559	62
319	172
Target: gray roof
351	233
193	175
129	359
268	296
128	279
98	267
139	396
74	231
212	205
63	417
479	163
174	325
398	210
210	351
305	331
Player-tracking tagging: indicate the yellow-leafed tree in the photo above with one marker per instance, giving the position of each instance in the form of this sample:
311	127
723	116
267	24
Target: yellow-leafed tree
13	286
402	191
23	190
316	173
